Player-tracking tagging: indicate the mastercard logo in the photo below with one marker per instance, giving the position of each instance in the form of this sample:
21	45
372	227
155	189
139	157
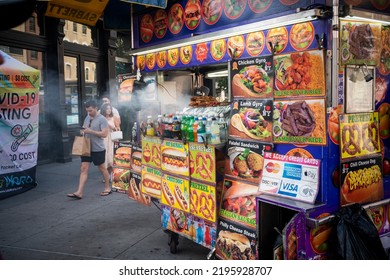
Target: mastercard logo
272	167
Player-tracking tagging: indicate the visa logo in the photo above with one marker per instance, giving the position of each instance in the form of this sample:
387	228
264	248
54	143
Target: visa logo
288	189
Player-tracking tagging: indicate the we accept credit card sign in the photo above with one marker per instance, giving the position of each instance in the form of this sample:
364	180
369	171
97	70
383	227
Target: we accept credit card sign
292	177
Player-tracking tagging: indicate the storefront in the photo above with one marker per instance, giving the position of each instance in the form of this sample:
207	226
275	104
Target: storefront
77	62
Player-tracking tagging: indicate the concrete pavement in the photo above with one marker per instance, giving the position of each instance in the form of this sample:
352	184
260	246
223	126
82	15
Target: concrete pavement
44	224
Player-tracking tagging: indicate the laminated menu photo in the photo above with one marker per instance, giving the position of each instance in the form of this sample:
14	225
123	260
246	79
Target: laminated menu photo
252	77
245	159
251	119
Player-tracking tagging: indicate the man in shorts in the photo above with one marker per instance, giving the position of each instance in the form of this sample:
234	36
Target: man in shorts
95	127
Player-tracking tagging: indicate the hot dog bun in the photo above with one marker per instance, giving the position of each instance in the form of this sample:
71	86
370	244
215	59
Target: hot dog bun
174	160
151	184
180	198
168	194
241	190
136	161
362	186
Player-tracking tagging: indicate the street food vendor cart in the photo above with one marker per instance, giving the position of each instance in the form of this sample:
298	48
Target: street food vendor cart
308	121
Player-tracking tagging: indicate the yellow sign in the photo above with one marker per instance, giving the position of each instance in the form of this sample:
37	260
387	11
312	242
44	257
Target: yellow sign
175	192
359	135
203	201
81	11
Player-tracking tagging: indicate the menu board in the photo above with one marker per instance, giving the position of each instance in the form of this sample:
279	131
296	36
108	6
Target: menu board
360	42
361	180
122	154
300	122
235	242
202	162
300	74
292	177
136	159
238	202
120	179
203	201
151	151
252	77
135	190
359	135
151	181
174	157
175	192
245	160
176	220
251	119
202	231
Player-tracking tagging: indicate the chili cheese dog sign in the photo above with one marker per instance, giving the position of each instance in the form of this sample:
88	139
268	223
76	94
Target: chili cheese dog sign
361	180
174	158
359	135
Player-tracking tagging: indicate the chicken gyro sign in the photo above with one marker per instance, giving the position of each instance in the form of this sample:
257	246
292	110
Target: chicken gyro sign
292	177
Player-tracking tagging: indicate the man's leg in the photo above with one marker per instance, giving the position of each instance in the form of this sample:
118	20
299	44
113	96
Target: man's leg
106	177
84	168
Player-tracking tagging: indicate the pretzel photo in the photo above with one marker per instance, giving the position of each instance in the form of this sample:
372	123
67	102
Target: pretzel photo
205	209
352	146
370	137
168	194
156	155
180	198
204	165
194	202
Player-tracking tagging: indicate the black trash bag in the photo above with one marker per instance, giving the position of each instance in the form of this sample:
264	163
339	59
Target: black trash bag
357	236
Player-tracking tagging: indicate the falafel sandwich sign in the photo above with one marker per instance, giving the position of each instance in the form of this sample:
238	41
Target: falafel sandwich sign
19	110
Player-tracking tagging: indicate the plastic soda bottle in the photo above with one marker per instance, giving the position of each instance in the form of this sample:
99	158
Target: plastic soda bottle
149	126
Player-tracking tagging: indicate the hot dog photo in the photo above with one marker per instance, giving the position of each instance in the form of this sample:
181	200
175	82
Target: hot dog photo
175	192
174	158
134	192
136	161
252	79
151	182
361	180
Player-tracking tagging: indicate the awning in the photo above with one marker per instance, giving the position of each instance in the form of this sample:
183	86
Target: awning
116	13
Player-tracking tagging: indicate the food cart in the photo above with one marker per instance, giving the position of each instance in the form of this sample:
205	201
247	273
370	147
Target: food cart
308	118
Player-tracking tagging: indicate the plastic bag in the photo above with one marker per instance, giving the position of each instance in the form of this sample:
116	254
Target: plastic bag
357	236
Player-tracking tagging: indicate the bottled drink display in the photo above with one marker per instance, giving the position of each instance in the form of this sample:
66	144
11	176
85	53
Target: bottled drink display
149	126
199	128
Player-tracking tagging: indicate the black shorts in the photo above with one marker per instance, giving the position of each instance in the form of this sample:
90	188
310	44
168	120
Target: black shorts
96	157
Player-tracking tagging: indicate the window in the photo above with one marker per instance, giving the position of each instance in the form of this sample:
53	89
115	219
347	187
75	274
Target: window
16	51
68	71
34	55
84	30
31	24
74	27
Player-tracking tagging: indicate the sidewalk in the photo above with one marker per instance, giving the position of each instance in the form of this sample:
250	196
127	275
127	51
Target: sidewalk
44	224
